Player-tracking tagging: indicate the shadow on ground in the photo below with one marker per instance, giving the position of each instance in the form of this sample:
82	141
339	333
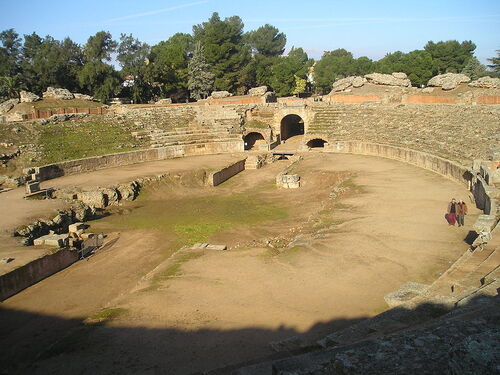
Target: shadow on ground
55	345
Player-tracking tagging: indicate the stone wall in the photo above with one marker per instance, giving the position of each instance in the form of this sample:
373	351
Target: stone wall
218	177
70	167
31	273
424	160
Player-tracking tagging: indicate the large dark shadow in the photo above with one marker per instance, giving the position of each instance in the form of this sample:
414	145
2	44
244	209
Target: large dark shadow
291	125
39	344
251	138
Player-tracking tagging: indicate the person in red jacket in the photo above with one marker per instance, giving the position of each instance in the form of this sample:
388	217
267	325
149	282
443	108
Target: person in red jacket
461	212
451	215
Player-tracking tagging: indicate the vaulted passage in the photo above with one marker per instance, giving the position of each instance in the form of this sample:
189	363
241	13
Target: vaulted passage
291	125
253	138
316	143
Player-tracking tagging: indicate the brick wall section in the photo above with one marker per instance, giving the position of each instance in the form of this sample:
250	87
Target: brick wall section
429	99
488	99
353	99
38	114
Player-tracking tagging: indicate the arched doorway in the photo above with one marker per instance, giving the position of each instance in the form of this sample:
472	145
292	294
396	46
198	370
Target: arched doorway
316	143
291	125
252	139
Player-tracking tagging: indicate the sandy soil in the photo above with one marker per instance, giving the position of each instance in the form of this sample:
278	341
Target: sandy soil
225	307
22	212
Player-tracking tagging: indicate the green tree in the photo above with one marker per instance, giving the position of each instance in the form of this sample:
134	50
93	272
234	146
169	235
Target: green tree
10	87
168	66
495	63
9	52
99	47
474	69
96	77
133	57
333	65
266	40
300	85
49	62
224	50
418	65
450	56
286	68
201	80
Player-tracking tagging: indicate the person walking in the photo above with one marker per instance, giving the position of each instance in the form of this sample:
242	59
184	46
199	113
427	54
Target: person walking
461	212
451	215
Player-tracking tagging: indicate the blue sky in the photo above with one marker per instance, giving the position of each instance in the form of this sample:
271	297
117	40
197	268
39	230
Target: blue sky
366	28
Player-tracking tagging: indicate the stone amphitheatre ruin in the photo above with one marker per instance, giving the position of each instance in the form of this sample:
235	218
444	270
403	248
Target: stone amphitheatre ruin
339	259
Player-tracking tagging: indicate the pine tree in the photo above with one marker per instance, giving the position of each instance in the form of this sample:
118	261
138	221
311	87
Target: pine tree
201	80
474	69
495	63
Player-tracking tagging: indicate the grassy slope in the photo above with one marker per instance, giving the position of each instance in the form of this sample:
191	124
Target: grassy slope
74	140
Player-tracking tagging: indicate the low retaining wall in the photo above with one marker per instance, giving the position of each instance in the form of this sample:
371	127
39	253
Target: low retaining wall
20	278
218	177
71	167
429	99
421	159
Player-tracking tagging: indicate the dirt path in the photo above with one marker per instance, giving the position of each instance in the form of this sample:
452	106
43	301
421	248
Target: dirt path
225	307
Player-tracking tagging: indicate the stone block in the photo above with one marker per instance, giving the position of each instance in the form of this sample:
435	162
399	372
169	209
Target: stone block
32	187
86	236
485	223
257	91
199	246
53	240
75	227
216	247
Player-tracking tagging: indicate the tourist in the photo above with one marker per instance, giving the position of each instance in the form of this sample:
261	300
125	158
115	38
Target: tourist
461	212
451	215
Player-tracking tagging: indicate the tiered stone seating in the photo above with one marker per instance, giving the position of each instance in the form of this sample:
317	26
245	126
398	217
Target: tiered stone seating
324	119
183	136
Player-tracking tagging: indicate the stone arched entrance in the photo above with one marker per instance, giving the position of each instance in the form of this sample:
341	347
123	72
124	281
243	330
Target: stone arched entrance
253	139
291	125
316	143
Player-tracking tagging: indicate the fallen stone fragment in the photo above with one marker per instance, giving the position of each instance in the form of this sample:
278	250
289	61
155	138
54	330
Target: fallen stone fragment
53	240
448	81
75	227
216	247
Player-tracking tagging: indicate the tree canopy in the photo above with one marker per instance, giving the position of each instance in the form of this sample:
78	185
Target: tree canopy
218	55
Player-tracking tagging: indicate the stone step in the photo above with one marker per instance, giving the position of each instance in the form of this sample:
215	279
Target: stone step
486	270
466	264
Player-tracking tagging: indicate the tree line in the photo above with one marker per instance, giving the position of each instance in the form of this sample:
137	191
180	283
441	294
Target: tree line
217	55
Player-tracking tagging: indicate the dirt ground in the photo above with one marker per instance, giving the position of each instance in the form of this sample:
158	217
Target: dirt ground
307	264
22	212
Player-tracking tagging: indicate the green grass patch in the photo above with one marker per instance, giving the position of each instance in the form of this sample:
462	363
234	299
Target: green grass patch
75	140
196	219
50	104
105	315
